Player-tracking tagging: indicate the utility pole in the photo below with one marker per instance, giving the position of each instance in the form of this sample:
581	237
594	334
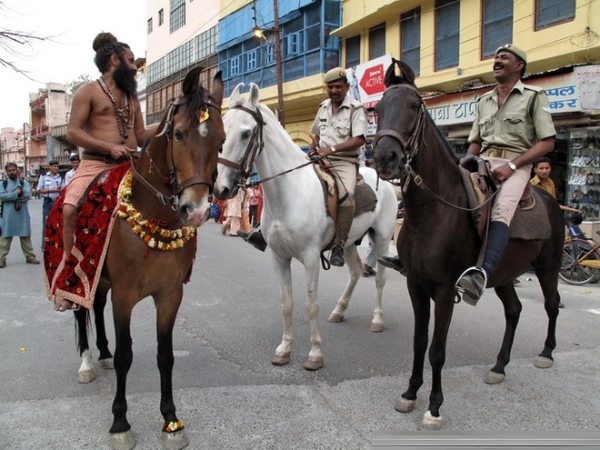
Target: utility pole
278	66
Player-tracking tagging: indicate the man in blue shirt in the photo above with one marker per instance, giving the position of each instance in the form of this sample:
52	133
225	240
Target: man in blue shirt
49	187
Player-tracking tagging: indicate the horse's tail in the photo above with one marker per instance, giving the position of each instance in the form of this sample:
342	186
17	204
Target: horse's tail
82	324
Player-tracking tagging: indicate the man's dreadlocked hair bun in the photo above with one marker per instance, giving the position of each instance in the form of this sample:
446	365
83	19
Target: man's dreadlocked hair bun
105	45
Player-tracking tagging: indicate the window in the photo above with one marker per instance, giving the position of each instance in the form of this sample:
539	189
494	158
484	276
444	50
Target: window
377	41
353	51
552	12
252	60
161	17
293	44
447	22
270	54
150	25
234	66
497	26
410	35
177	17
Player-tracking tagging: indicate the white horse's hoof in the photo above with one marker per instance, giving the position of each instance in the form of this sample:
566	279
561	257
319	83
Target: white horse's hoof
314	363
404	405
107	363
336	318
122	441
431	423
377	327
281	359
86	376
543	363
176	440
494	377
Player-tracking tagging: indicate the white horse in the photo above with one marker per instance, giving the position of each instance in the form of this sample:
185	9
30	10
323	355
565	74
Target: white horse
294	221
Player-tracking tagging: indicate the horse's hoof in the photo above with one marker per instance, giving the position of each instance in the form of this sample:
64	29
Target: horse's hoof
543	363
107	363
176	440
431	423
404	405
493	377
122	441
86	376
377	327
336	318
281	359
314	363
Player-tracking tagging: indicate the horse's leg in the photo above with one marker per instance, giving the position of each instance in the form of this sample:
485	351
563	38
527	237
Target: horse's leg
85	374
106	358
121	435
549	282
354	268
311	268
166	312
512	312
444	307
381	246
283	271
421	309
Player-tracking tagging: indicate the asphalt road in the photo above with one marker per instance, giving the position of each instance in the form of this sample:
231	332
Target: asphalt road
230	396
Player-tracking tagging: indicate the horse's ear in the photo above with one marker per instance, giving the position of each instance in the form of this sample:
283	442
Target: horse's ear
236	98
254	95
192	79
406	74
218	88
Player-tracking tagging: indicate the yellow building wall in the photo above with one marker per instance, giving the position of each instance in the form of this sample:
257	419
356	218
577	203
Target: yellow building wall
568	43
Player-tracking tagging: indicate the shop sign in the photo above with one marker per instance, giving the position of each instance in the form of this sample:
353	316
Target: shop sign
570	92
366	80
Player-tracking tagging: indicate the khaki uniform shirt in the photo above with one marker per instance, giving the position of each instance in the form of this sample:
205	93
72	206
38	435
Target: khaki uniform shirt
522	120
350	120
547	185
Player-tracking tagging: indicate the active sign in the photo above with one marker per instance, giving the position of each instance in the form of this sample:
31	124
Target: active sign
366	80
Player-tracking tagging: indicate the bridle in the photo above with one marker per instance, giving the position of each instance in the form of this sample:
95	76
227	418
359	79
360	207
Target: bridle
412	145
254	148
173	200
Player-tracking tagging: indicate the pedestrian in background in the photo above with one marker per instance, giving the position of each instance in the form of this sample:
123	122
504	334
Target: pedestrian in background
49	186
14	216
75	160
234	214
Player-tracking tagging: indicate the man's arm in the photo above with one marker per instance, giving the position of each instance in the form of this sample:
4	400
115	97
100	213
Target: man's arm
81	109
6	196
537	151
142	133
25	193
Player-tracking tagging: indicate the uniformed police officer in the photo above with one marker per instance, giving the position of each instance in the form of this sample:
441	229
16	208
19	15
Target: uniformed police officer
340	128
512	128
49	186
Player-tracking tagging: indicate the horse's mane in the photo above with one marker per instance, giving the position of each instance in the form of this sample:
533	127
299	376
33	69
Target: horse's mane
195	102
265	111
443	140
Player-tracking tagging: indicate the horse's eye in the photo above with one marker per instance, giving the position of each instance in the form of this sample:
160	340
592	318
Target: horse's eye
179	135
414	106
246	134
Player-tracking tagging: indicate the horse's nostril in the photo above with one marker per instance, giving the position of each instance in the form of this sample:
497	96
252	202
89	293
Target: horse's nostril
391	156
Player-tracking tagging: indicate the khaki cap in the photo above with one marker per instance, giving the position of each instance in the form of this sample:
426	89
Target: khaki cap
514	50
337	73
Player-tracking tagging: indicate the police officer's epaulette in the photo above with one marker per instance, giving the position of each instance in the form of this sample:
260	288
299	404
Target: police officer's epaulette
533	88
487	94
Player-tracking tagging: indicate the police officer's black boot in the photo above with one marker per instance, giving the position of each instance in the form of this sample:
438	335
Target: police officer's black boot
473	280
344	222
255	237
392	262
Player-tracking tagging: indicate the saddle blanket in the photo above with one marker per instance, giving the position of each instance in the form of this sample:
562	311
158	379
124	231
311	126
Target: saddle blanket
77	278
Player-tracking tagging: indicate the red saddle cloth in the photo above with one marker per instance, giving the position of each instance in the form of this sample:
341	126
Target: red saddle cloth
77	278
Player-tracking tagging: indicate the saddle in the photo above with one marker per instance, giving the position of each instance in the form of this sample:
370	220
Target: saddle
364	197
530	221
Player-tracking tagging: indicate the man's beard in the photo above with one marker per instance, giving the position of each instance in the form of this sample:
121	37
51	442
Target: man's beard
125	80
13	176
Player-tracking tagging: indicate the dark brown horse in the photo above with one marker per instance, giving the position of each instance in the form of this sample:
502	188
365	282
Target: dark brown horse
170	185
439	241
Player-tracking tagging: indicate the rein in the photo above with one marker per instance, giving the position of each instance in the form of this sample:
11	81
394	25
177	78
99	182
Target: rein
177	188
413	145
254	148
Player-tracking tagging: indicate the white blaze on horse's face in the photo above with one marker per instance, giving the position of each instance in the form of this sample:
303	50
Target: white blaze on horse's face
203	129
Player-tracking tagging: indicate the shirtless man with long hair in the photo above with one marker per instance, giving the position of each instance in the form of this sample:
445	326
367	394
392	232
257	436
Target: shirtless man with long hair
106	120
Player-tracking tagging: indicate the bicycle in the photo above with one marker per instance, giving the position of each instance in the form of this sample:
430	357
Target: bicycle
581	256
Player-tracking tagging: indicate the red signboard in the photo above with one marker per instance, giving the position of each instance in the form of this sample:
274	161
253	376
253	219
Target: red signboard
372	80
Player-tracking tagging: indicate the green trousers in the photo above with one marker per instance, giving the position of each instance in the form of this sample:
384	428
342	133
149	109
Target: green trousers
26	246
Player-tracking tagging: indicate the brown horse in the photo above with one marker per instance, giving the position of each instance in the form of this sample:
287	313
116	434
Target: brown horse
171	185
439	241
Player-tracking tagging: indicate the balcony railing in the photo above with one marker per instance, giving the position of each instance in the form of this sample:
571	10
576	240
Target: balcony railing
39	133
39	103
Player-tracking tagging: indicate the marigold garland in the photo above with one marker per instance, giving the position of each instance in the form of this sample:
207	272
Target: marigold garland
143	228
172	427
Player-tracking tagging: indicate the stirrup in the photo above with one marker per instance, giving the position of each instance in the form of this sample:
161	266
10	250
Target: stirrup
466	297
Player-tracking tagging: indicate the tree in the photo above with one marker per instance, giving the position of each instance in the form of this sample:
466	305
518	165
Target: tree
75	84
12	43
